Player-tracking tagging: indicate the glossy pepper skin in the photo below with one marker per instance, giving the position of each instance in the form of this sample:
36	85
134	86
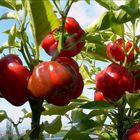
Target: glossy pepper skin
48	77
71	25
98	96
115	50
113	81
56	81
50	44
68	61
14	77
72	44
137	78
132	133
79	84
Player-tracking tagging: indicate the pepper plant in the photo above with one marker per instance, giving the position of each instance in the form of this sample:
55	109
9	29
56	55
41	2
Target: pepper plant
54	84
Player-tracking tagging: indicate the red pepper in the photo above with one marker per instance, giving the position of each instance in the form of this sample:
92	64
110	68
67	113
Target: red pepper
113	81
14	79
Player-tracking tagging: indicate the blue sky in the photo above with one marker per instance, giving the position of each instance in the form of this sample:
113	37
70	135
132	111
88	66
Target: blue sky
84	14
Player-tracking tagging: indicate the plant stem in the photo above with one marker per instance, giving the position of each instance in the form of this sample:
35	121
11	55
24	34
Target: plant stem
120	124
15	126
61	35
120	120
17	132
124	47
36	107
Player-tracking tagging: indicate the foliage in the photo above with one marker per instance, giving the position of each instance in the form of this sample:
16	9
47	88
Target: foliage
88	119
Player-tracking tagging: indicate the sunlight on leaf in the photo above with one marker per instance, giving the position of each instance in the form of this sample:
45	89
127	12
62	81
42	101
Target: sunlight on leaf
42	18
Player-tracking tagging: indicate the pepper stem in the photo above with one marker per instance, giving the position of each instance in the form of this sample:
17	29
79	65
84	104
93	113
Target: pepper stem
36	107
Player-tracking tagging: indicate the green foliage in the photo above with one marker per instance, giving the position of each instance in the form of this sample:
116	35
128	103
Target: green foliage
58	110
9	15
88	1
54	126
97	105
133	99
42	18
77	115
11	4
26	113
108	4
87	117
74	134
96	51
115	16
12	35
3	115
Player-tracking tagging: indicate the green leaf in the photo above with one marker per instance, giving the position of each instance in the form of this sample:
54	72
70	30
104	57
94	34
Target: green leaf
133	99
126	14
54	126
3	115
101	24
85	72
42	18
58	110
99	38
7	46
26	113
96	51
117	28
12	35
108	4
28	133
110	19
77	115
74	134
87	124
88	1
92	38
96	113
137	115
82	99
9	15
11	4
97	105
89	82
133	4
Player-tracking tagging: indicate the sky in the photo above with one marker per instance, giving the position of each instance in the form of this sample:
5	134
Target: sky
85	14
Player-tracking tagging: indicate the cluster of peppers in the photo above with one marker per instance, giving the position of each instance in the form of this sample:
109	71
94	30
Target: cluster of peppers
57	81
